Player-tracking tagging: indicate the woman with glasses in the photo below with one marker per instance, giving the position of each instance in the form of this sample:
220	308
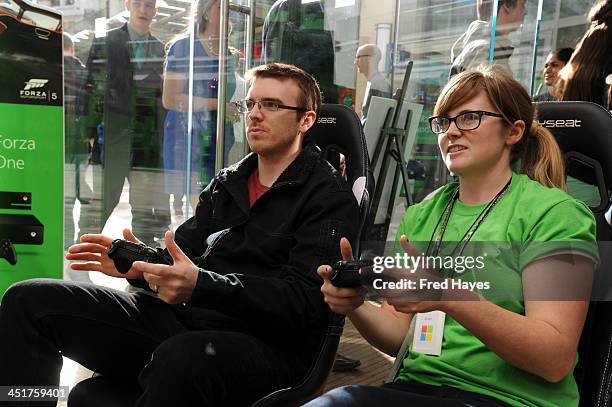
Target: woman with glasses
501	336
202	101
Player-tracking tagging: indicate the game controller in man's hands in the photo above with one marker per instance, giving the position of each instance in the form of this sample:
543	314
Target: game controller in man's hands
7	251
347	275
124	253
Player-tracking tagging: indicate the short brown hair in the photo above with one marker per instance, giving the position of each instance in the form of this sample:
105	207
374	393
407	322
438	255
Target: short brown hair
310	97
484	8
538	152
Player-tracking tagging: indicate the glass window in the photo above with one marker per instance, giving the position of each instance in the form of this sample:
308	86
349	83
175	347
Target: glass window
143	123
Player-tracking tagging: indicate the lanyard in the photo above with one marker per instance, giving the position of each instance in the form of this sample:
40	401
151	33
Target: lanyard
470	232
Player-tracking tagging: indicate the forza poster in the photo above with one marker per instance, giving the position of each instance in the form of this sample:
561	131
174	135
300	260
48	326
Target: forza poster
31	143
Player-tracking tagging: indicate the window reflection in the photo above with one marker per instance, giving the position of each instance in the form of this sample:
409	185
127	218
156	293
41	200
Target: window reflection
322	36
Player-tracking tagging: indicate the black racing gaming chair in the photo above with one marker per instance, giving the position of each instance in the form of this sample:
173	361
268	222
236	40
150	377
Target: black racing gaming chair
334	124
337	130
584	133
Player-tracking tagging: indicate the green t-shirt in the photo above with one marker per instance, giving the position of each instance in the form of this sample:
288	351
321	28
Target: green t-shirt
527	213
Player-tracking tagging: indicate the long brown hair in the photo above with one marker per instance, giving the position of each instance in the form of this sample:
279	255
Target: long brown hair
583	76
198	20
538	152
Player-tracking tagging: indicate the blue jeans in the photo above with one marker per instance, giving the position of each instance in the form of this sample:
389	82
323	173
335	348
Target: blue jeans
404	394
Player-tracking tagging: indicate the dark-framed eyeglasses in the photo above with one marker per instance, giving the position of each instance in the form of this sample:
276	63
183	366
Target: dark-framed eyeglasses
245	106
464	121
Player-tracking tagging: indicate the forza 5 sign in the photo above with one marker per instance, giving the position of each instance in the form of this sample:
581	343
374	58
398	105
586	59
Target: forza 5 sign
34	89
31	143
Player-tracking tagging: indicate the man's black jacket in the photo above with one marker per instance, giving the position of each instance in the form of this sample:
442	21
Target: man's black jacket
258	265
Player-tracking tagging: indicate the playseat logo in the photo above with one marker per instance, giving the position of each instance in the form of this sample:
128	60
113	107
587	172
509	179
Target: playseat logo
560	123
326	120
32	90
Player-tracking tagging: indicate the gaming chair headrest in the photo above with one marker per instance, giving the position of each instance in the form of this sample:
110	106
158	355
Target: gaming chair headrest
583	131
338	129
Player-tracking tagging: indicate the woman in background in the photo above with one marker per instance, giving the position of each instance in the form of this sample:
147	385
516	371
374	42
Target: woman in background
205	29
584	76
555	61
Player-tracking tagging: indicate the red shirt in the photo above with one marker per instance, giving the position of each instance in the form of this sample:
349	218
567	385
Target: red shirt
256	189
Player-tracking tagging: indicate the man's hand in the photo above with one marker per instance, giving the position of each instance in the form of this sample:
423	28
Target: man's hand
340	300
174	284
93	253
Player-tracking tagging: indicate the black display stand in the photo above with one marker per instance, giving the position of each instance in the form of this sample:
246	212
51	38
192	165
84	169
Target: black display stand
390	147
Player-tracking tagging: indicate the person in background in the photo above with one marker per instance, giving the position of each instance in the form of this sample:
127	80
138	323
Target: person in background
516	348
76	143
471	49
584	76
367	59
205	29
554	62
125	73
294	32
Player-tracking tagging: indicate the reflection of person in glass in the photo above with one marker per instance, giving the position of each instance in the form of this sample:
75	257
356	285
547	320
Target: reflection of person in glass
125	69
471	49
584	76
366	59
204	107
520	351
554	62
75	141
294	33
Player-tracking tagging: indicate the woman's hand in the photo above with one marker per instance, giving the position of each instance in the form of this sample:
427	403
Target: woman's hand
92	253
340	300
422	289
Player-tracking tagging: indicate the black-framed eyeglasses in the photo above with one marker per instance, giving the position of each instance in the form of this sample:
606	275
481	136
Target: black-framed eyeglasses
464	121
245	106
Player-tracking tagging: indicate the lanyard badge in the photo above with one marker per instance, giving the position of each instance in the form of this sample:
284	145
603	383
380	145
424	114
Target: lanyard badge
429	326
428	333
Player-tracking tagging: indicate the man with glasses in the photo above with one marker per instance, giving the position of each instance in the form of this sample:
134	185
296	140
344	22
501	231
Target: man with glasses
240	313
471	49
367	59
125	75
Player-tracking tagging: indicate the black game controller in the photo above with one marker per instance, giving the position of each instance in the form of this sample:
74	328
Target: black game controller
346	273
7	251
124	253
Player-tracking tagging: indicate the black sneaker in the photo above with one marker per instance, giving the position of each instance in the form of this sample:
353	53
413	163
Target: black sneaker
344	364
